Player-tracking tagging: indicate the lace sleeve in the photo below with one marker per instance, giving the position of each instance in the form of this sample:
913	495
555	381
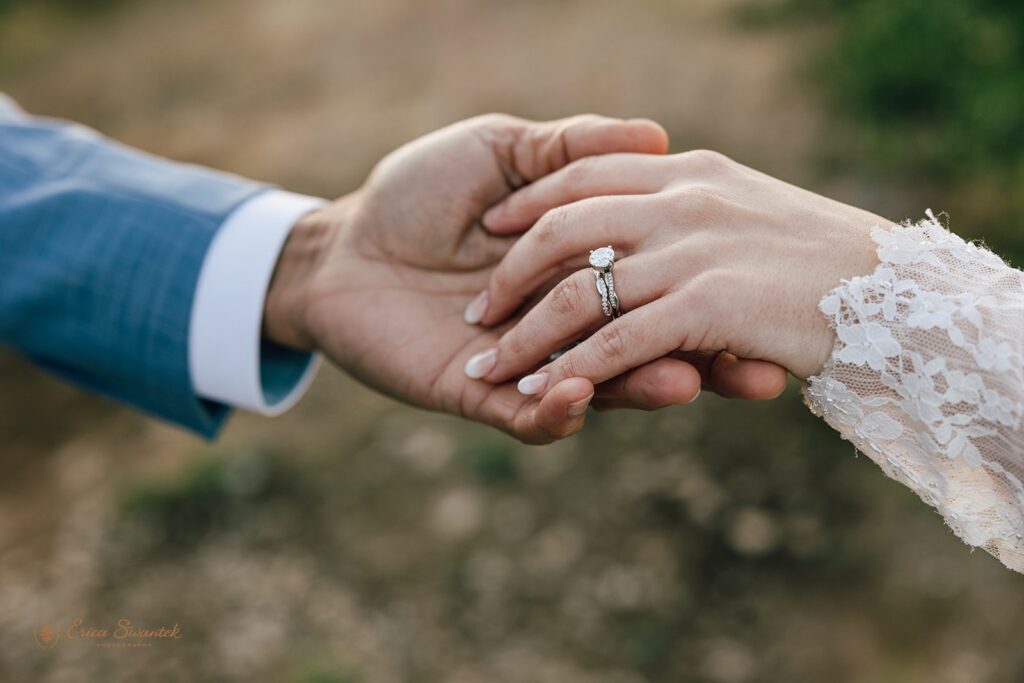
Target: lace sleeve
926	378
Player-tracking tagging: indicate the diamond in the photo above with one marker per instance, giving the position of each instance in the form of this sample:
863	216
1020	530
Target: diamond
602	258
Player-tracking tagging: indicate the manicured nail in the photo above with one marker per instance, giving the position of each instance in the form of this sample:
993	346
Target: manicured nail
482	363
476	309
533	384
577	408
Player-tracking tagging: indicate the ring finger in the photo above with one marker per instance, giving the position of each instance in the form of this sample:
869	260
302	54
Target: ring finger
562	238
567	313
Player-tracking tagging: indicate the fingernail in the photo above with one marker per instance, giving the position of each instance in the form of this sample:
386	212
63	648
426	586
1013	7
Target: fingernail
577	408
482	363
476	309
533	384
695	397
493	215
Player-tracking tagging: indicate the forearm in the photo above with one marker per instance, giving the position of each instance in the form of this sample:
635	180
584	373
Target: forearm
101	248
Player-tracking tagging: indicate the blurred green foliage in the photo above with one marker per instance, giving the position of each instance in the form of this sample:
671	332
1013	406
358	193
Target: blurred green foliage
76	6
931	93
214	495
936	85
323	672
32	31
491	461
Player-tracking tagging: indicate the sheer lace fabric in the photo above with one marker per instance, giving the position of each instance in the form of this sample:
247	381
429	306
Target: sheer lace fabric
927	378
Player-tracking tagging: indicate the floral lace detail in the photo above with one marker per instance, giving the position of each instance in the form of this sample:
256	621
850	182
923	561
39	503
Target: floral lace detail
927	378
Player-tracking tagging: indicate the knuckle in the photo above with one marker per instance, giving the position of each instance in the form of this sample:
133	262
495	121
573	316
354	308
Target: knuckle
502	283
698	251
578	172
512	346
569	365
589	117
567	297
726	280
611	341
698	202
705	160
581	121
550	225
491	120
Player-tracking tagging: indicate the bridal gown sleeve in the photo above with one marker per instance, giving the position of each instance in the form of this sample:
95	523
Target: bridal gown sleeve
927	378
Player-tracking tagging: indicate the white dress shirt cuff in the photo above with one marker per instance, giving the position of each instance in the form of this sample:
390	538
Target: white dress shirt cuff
229	362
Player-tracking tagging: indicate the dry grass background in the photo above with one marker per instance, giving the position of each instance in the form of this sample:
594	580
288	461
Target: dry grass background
355	540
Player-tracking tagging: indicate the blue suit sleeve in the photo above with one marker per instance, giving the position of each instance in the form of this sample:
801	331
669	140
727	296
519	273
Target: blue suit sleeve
100	251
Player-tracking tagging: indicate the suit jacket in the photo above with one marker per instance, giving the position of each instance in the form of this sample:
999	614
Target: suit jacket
100	251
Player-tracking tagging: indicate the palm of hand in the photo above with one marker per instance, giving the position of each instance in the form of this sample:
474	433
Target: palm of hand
381	278
413	246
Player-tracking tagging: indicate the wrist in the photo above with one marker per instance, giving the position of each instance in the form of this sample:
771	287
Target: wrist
289	296
854	255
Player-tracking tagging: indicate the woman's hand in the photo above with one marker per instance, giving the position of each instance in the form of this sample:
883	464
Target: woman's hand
712	256
378	280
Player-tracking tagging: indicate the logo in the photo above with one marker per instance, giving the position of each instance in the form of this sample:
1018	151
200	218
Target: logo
123	634
46	637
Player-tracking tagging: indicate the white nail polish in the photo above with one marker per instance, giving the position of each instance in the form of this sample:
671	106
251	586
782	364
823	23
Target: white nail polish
533	384
482	363
476	309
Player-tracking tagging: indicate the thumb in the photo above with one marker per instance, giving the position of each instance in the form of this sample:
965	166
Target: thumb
528	150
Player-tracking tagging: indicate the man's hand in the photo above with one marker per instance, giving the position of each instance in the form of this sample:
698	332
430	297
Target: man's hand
379	280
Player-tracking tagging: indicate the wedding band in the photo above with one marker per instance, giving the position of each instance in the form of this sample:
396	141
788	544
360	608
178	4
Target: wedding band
601	261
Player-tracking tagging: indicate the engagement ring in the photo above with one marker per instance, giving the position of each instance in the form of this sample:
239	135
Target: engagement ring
602	260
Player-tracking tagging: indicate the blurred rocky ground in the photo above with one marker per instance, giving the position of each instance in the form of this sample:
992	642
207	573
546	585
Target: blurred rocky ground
355	540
